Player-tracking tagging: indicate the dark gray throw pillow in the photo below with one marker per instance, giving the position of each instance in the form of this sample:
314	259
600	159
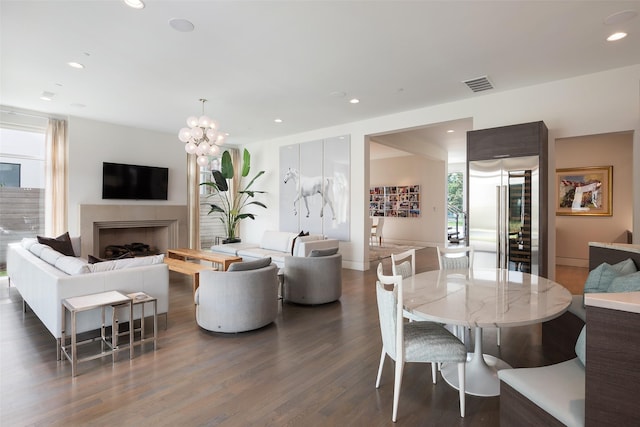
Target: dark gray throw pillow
323	252
61	243
94	259
250	265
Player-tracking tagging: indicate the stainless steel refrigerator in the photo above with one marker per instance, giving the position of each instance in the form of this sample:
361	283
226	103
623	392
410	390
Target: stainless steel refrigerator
504	213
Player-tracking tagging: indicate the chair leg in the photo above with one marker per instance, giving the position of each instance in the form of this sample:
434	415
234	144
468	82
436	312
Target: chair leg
380	368
461	381
396	389
434	368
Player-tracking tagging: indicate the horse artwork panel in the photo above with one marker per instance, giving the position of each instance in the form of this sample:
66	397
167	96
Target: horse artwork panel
309	186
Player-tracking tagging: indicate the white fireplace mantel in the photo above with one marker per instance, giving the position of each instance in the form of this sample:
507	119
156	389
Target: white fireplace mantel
94	218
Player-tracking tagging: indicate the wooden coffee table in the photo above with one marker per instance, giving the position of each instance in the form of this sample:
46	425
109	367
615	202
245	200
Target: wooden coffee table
177	260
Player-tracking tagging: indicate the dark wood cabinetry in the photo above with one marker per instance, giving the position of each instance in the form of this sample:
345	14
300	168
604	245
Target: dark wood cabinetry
527	139
612	375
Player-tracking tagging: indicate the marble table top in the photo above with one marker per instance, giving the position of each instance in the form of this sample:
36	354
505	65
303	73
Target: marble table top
484	297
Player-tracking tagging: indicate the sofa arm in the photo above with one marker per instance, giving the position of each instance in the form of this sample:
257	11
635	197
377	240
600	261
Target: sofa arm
304	248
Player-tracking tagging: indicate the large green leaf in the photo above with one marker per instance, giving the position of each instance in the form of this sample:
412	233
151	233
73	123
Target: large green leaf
216	208
227	165
221	183
246	162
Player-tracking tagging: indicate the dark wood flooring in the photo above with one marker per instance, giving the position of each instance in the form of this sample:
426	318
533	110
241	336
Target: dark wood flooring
315	366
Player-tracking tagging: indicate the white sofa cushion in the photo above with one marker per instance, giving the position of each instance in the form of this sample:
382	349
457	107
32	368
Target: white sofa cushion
27	242
558	389
50	256
277	241
72	265
37	249
120	264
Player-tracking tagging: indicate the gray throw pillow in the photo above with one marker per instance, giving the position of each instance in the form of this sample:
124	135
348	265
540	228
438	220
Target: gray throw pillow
626	283
323	252
581	346
250	265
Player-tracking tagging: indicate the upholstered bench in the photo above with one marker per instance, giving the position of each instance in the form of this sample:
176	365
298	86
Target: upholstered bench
551	395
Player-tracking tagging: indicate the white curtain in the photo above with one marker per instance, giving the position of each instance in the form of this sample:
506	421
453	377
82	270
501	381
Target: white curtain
193	201
56	178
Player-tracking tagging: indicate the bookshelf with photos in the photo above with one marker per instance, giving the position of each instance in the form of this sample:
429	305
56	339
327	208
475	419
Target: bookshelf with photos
399	201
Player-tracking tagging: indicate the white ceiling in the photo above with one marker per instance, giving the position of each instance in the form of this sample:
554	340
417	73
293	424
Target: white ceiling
300	61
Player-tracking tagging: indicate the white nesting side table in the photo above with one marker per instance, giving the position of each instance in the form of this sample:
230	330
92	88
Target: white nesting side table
79	304
141	298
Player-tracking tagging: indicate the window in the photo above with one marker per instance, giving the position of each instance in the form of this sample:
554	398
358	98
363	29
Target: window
210	225
22	184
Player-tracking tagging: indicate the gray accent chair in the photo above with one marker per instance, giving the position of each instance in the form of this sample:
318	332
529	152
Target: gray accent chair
313	280
237	301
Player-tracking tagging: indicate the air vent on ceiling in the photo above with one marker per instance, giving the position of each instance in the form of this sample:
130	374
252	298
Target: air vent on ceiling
479	84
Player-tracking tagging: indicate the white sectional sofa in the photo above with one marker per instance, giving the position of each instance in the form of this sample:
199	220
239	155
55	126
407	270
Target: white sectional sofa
277	245
44	277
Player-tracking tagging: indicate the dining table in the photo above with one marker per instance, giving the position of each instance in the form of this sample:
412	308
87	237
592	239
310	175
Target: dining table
481	298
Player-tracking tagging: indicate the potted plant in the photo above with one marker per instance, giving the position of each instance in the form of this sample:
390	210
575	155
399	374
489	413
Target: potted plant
231	205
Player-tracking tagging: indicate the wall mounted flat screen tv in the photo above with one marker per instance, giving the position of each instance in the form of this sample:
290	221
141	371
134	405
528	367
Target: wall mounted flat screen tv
133	182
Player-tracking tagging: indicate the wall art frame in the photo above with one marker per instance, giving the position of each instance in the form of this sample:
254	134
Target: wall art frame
584	191
399	201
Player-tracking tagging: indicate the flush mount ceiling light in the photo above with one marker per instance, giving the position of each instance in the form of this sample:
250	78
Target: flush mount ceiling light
47	96
616	36
277	120
354	101
76	65
136	4
182	25
202	137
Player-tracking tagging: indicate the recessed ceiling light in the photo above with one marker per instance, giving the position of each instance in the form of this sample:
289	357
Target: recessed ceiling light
47	96
278	120
181	25
616	36
450	131
618	17
75	65
136	4
354	100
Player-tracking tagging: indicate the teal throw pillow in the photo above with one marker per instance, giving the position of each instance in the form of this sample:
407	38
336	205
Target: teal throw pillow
627	283
626	267
600	278
581	346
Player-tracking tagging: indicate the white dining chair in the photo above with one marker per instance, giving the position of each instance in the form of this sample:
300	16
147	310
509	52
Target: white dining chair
377	224
404	264
422	342
454	258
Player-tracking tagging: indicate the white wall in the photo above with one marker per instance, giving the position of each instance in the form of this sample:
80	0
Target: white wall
92	142
573	233
430	228
585	105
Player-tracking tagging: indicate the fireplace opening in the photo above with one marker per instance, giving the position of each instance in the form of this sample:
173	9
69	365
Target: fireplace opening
134	249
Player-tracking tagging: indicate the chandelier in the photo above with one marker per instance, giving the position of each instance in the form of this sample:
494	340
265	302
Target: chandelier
202	137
